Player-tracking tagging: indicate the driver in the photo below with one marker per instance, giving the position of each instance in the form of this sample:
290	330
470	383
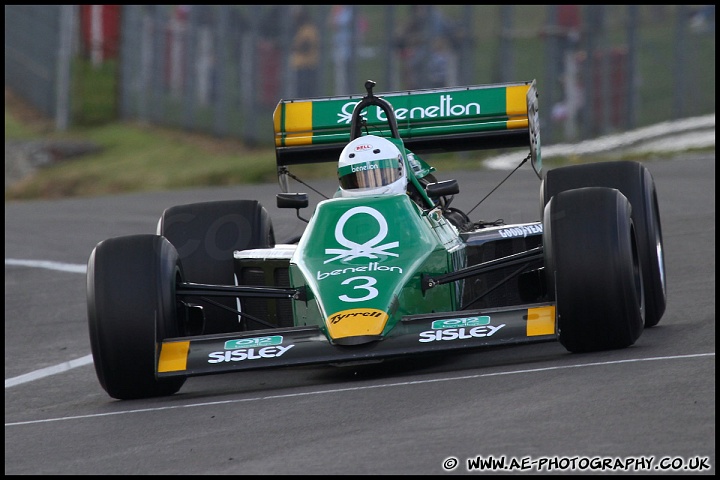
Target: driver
371	165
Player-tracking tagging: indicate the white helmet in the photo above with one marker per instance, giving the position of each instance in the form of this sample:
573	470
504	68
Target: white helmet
371	165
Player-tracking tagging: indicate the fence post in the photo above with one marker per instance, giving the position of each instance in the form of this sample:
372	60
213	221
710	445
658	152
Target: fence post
64	60
680	62
631	104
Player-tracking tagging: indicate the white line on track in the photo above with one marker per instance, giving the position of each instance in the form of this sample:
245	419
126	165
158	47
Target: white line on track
352	389
47	371
63	267
65	366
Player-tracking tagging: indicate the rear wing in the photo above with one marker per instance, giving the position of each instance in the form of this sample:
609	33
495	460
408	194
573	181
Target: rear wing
429	121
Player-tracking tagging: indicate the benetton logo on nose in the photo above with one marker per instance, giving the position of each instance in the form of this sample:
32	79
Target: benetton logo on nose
369	249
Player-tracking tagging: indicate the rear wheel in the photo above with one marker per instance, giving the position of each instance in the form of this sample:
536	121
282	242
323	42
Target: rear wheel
131	307
205	236
593	266
636	183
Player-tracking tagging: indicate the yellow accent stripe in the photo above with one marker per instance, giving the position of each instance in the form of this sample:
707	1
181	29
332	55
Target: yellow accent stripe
541	321
356	322
277	123
516	101
517	123
298	123
298	117
173	356
293	124
292	140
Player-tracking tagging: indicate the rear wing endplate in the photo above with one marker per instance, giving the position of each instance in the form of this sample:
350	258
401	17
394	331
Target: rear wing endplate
429	121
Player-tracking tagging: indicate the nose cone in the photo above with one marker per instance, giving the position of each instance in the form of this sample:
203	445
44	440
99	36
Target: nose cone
356	325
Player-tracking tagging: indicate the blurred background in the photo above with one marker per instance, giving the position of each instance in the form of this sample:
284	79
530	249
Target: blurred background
221	69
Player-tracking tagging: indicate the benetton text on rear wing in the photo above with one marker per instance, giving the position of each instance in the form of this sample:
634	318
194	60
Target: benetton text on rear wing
429	121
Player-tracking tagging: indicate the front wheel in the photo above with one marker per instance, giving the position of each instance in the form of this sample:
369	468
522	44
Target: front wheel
593	266
635	182
131	305
205	236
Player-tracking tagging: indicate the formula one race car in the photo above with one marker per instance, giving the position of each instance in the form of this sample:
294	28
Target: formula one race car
386	268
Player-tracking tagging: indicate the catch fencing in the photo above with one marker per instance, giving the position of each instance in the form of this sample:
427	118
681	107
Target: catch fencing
221	70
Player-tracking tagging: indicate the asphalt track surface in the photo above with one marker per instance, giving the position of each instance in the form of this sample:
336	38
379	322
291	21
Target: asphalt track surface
603	412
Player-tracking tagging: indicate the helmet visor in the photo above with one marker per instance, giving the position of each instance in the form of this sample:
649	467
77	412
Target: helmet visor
372	174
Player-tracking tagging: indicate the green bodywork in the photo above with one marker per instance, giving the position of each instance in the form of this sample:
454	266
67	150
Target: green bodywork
433	120
435	112
375	277
370	253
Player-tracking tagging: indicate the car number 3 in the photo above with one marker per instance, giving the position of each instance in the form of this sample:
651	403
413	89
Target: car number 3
368	285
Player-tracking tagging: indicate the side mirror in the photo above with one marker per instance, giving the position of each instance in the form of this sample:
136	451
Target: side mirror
442	189
292	200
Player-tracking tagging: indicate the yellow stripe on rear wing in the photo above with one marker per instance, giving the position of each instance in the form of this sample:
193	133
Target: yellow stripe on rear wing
429	121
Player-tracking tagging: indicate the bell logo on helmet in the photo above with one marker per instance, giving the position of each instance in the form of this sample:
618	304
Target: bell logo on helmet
363	147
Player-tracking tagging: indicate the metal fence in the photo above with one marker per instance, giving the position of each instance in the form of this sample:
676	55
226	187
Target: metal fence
38	50
221	70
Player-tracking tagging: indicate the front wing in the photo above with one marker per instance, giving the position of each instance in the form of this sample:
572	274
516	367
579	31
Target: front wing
294	346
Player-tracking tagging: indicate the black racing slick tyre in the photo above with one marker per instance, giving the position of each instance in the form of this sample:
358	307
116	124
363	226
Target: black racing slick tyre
205	236
131	303
634	181
593	266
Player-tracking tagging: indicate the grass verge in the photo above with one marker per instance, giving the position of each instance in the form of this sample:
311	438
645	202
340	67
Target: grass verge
135	158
